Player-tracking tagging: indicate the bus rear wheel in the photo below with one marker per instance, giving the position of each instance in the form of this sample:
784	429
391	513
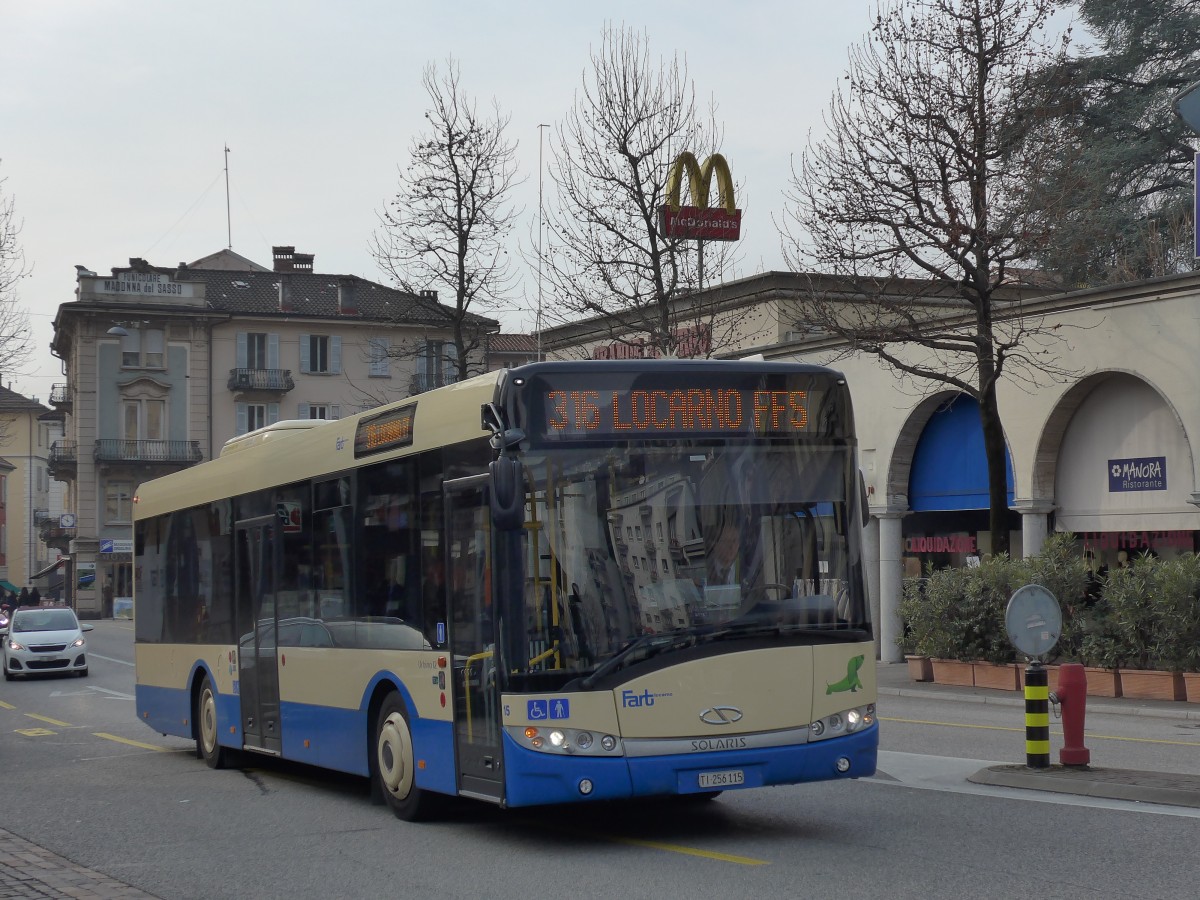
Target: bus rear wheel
394	765
207	746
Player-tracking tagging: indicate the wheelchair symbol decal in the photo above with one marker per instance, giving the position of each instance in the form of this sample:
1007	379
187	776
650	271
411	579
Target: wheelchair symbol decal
538	709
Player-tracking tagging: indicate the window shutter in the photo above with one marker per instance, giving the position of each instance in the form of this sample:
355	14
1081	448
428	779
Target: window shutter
272	413
242	354
304	364
379	357
302	411
272	351
242	417
335	355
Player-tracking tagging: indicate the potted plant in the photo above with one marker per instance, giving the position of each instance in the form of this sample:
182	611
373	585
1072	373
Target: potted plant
933	627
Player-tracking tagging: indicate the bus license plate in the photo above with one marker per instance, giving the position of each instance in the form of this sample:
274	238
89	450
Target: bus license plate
722	779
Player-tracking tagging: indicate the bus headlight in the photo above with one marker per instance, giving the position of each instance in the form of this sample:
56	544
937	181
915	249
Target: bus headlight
842	723
566	741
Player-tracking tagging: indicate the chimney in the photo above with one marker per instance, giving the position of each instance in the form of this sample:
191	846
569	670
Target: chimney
288	260
347	301
429	294
285	293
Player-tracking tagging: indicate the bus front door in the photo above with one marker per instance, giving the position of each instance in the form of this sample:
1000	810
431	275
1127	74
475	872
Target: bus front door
256	575
472	645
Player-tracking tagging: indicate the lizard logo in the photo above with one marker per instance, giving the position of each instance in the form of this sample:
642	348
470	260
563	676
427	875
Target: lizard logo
851	682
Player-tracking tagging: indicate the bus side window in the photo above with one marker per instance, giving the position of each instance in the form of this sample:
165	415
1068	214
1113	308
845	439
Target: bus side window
387	531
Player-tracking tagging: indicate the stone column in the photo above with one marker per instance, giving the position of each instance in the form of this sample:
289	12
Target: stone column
891	579
1034	524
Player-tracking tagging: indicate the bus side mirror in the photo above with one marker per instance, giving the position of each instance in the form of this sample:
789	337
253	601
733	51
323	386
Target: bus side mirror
862	499
507	494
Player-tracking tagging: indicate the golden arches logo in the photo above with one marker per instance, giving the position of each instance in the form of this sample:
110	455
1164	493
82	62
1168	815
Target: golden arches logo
716	223
700	181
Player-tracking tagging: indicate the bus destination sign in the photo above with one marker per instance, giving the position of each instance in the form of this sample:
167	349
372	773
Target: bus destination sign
694	411
388	431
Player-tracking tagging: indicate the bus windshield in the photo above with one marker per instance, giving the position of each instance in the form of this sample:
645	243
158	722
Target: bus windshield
633	546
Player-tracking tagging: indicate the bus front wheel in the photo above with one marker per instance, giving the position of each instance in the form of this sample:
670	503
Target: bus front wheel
208	748
394	764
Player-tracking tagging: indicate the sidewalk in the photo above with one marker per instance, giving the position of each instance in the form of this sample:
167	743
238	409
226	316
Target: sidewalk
1091	781
33	873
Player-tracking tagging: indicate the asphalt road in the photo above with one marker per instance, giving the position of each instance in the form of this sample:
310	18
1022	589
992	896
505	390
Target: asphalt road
86	780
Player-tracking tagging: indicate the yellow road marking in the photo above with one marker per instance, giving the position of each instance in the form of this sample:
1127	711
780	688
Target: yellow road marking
688	851
4	705
1058	732
121	740
48	719
35	732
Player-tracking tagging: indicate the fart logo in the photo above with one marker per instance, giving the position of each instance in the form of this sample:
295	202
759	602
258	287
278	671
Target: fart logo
636	700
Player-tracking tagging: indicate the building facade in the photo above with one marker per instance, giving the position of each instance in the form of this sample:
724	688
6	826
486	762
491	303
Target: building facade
164	365
1106	449
25	440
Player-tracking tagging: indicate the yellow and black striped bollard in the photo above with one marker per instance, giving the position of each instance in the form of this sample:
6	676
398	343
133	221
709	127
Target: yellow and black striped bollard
1037	717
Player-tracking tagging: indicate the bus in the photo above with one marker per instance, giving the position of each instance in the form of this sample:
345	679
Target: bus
561	582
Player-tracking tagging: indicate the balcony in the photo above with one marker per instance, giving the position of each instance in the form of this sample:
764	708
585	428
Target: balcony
179	453
278	380
63	461
422	383
55	535
60	397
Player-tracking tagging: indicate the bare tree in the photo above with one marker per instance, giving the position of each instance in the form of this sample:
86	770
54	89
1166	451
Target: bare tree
606	255
914	198
447	225
15	334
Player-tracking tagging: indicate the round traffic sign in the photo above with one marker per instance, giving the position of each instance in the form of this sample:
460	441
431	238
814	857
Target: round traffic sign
1033	620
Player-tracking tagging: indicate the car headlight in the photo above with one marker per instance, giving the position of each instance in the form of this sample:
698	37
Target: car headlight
79	642
13	645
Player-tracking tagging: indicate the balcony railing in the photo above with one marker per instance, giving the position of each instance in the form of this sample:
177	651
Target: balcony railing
60	395
261	380
54	535
423	383
175	452
64	457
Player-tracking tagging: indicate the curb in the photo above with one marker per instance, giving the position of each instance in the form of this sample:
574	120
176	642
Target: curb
1015	698
1110	784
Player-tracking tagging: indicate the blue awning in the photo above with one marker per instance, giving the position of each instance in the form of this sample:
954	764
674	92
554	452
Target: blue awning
9	586
949	468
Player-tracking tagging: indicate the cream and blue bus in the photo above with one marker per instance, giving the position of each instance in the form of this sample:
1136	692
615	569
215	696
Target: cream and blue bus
563	582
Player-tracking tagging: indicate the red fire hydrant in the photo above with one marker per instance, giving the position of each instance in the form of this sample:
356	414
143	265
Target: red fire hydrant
1072	695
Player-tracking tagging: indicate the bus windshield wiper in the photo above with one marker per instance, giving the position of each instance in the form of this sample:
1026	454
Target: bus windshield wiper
651	644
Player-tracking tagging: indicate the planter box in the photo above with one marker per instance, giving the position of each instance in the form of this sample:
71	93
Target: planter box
1191	686
953	671
1002	677
1147	684
920	668
1102	682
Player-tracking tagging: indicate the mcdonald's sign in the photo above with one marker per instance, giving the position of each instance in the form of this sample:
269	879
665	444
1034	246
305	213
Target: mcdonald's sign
719	223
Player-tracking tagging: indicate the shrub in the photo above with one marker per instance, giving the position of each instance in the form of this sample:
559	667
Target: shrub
1148	616
959	613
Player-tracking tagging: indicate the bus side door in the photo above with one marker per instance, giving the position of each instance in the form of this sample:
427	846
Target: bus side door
257	566
472	644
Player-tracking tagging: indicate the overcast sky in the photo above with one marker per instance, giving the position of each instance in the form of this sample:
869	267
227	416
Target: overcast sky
114	115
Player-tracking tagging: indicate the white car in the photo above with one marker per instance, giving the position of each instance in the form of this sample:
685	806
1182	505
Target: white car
44	639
